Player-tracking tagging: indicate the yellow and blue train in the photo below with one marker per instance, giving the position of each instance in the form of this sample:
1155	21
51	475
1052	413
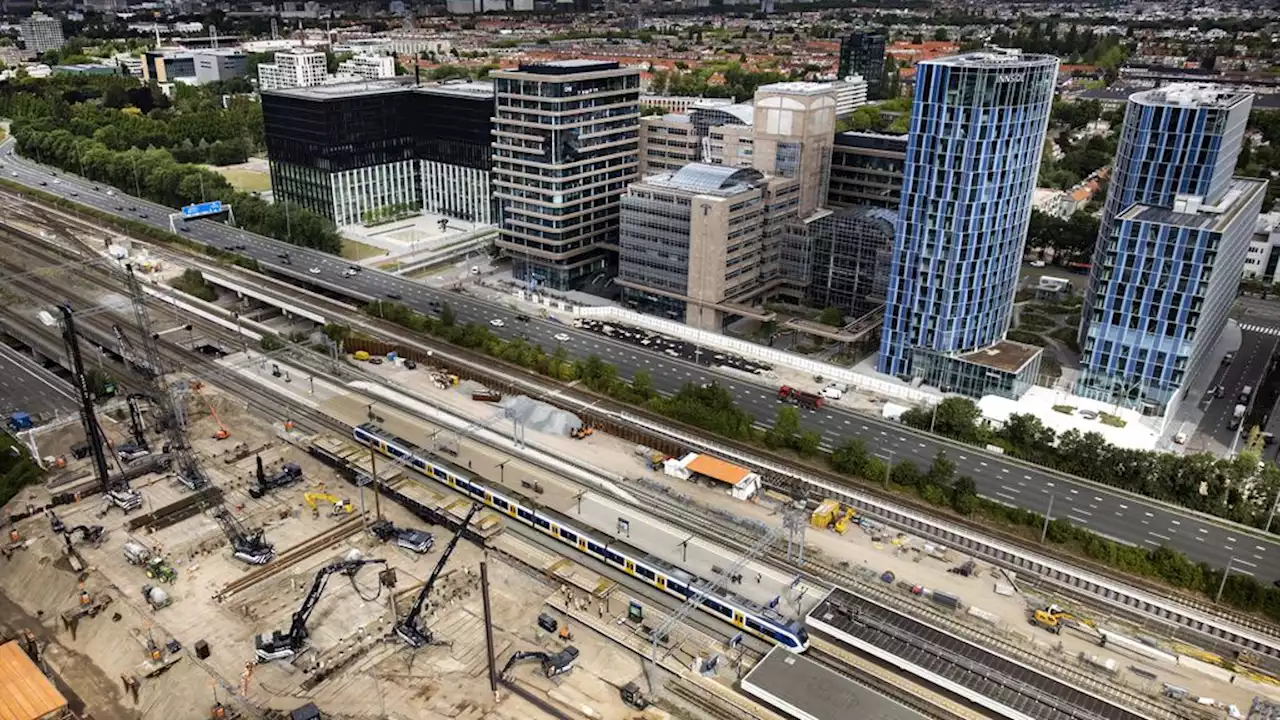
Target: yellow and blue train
748	617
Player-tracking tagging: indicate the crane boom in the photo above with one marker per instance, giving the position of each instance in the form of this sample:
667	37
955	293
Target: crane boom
408	628
93	435
251	547
278	645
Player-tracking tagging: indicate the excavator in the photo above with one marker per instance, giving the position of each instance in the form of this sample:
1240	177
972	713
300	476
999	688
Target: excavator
553	664
282	645
408	629
1053	618
339	506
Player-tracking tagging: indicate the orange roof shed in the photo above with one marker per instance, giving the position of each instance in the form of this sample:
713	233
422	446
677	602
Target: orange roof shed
717	469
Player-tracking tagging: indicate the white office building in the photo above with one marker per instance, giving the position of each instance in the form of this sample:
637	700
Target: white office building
300	67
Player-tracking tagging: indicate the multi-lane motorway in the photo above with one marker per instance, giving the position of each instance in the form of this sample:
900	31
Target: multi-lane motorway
1112	513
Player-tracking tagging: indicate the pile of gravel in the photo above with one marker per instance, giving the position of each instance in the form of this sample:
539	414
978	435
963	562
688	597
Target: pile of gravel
539	416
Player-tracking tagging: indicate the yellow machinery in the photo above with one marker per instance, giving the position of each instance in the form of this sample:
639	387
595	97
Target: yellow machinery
831	514
1053	618
340	507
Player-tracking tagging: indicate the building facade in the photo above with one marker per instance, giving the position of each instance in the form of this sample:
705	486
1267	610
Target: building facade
296	68
667	143
565	147
219	65
850	252
41	33
862	53
350	151
702	245
867	170
1173	240
978	126
851	94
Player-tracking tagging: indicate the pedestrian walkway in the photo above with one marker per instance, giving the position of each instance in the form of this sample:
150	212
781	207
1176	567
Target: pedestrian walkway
1260	329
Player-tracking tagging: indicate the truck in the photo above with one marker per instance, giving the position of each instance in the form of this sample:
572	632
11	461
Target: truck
805	399
652	458
492	396
20	421
1237	416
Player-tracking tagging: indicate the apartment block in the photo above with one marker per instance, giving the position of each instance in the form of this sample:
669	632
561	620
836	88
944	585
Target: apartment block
369	67
667	143
862	53
41	33
703	245
1172	245
867	170
296	68
566	145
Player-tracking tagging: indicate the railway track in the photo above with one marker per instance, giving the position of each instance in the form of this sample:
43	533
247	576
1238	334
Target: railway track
291	557
707	703
830	657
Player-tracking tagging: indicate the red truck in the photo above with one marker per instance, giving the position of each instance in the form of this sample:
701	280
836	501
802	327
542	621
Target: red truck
811	401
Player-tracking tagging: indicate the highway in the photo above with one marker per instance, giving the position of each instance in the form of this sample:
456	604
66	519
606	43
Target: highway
1115	514
29	388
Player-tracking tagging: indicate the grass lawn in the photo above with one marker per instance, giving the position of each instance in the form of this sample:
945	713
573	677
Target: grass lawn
356	250
245	180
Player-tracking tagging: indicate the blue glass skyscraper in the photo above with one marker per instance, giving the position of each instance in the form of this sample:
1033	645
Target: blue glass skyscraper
973	153
1175	231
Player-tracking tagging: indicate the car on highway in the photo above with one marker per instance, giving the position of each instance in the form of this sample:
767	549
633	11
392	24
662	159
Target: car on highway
133	208
561	337
314	271
497	322
393	295
348	273
522	318
184	228
353	269
96	188
43	183
14	173
144	216
237	246
285	260
75	194
57	182
1226	359
119	207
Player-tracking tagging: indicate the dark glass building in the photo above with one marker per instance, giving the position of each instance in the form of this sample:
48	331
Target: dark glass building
866	170
851	251
862	53
348	150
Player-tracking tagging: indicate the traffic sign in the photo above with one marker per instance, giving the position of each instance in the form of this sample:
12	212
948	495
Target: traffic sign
201	209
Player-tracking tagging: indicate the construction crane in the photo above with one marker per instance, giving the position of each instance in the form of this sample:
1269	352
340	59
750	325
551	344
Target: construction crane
117	493
223	433
408	629
136	428
163	394
252	548
281	645
130	355
553	664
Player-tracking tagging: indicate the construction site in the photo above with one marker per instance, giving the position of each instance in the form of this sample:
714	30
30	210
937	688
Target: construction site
253	529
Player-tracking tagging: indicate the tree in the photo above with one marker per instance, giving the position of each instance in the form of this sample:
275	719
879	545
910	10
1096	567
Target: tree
942	471
785	428
336	332
832	316
448	317
964	496
808	443
850	457
957	417
642	384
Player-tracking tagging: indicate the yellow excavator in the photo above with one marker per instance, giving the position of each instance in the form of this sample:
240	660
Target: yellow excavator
340	507
1053	618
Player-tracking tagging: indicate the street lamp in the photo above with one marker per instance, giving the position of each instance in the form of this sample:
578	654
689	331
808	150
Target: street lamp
1048	514
888	467
1223	585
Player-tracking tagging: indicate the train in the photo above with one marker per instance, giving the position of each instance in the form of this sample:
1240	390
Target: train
761	622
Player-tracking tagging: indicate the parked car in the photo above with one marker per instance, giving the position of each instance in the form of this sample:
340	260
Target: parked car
1037	263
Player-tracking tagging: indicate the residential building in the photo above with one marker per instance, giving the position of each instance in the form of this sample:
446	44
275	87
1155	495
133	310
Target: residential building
295	68
1262	262
369	67
851	94
1172	244
862	53
219	65
565	147
346	151
667	143
866	170
978	126
849	254
41	33
702	245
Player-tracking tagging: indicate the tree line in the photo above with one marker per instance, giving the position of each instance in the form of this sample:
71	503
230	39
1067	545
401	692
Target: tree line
67	122
712	408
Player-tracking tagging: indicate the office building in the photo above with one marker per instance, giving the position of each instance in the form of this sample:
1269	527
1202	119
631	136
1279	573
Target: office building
978	125
369	67
849	253
1173	240
219	65
866	170
168	66
565	147
667	143
41	33
702	245
296	68
347	151
862	53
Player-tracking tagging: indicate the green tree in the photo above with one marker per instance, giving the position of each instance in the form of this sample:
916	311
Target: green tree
850	457
785	428
808	443
642	384
832	316
964	496
448	317
942	471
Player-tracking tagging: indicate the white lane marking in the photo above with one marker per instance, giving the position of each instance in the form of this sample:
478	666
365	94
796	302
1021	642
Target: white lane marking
1158	535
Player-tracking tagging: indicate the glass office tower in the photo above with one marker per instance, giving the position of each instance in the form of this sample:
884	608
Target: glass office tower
973	153
1172	243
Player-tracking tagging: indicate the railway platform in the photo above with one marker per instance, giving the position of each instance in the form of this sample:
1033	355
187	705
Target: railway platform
807	690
